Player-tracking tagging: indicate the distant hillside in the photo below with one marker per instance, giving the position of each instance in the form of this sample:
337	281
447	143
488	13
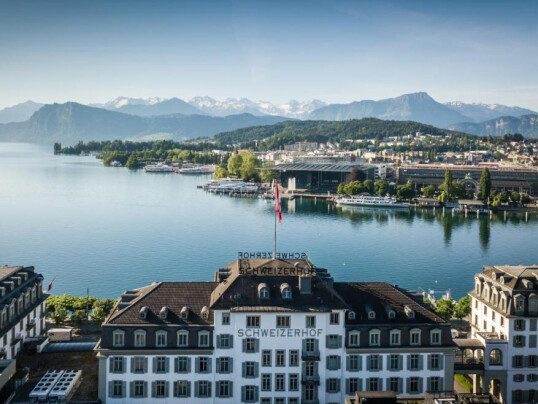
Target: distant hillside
167	107
71	122
19	112
527	125
418	107
485	112
322	131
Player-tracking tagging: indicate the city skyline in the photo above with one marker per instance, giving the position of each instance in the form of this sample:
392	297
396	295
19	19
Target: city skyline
96	51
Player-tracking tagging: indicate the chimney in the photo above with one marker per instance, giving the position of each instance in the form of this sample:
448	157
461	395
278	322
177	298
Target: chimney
305	285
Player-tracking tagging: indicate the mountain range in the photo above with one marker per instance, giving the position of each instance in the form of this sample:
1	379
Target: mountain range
204	116
72	122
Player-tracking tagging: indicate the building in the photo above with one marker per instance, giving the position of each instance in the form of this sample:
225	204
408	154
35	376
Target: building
22	316
276	331
316	177
301	146
504	321
503	178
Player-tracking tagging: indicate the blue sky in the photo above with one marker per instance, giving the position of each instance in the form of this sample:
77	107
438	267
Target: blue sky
337	51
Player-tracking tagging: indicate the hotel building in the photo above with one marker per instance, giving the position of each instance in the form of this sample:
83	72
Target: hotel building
22	316
504	321
271	331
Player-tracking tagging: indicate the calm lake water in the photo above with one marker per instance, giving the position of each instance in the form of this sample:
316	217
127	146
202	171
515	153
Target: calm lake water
110	229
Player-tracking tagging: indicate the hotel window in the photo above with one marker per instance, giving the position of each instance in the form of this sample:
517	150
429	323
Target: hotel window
519	325
518	378
280	382
286	293
224	341
495	357
333	341
333	362
415	337
310	321
118	338
250	369
519	304
223	365
266	400
435	363
139	364
140	338
250	394
519	341
414	362
294	357
283	321
374	362
266	382
264	292
266	358
395	337
250	345
333	385
280	358
375	337
224	389
435	384
225	318
532	396
435	337
310	345
532	377
394	362
354	338
182	388
182	338
354	363
253	321
310	392
183	364
160	364
161	338
280	400
373	384
532	360
413	385
309	368
353	385
118	364
533	304
293	382
335	318
394	384
118	389
138	389
160	389
203	338
204	388
204	364
517	396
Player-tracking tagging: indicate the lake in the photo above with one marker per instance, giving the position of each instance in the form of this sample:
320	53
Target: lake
110	229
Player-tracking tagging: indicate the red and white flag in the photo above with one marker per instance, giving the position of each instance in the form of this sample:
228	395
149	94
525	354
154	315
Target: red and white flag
50	284
277	202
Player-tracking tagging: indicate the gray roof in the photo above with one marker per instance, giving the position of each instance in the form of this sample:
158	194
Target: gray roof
329	167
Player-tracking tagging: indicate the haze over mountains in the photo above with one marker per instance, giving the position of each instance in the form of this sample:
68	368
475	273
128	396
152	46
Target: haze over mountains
204	116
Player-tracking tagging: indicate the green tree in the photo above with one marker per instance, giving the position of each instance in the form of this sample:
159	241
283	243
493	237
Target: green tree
448	185
132	162
353	188
234	164
503	196
57	148
428	191
59	315
485	184
445	308
78	317
525	199
355	175
341	188
515	197
268	176
381	187
369	186
406	191
249	167
220	172
462	308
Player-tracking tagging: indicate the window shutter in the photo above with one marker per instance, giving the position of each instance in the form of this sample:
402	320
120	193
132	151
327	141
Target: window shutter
244	345
176	364
359	361
155	364
132	364
131	389
188	389
244	369
441	362
110	388
145	365
153	389
243	393
420	360
348	386
408	360
368	362
441	383
217	364
111	364
208	365
348	363
408	385
256	369
197	365
428	383
327	341
231	339
230	365
256	345
338	362
304	344
196	389
316	368
400	385
316	345
166	386
429	359
420	388
230	388
339	341
145	393
218	342
328	363
189	365
256	393
123	389
514	361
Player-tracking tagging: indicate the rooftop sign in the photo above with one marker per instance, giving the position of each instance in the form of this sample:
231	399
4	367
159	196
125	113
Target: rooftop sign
293	255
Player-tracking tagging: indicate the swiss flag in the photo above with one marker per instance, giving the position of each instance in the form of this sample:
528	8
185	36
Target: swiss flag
277	202
50	284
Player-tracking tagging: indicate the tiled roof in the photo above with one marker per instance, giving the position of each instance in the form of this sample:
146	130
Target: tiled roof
333	167
6	271
513	274
174	295
382	297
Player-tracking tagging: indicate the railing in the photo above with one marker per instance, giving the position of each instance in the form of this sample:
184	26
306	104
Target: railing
306	379
310	355
468	363
314	401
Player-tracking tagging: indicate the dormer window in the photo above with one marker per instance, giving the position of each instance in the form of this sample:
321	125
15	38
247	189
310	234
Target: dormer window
143	315
118	338
184	313
519	304
435	337
371	315
375	338
477	286
395	337
351	315
286	291
533	304
354	338
161	338
263	291
392	314
140	338
205	313
163	313
409	312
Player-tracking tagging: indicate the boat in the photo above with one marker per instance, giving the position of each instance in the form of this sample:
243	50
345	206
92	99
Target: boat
158	168
373	201
199	170
115	164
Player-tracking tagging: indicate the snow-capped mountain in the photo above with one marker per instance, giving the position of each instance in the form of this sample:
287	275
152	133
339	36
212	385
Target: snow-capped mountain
291	109
479	112
119	102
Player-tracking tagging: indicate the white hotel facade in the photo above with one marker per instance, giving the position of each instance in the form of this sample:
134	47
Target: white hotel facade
271	331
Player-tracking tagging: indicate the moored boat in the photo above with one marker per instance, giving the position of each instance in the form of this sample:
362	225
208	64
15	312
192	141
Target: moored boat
372	201
158	168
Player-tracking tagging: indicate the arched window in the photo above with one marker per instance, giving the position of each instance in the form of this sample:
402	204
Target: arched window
354	338
205	313
263	291
519	304
286	291
414	335
533	304
140	338
395	338
496	357
118	338
375	338
161	338
477	286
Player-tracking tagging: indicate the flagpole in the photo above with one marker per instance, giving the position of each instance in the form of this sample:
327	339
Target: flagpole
275	193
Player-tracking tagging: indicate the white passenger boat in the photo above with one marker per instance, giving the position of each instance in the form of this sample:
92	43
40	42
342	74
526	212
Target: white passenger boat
372	201
158	168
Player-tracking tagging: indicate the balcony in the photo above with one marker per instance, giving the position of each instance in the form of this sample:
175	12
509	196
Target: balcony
314	401
310	355
468	364
306	379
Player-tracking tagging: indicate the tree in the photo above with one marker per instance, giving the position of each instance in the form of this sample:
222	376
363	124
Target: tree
268	175
353	188
132	162
503	197
57	148
515	197
234	164
485	184
249	167
462	308
406	191
59	315
381	187
98	314
369	186
448	185
78	317
355	175
220	172
525	199
445	307
428	191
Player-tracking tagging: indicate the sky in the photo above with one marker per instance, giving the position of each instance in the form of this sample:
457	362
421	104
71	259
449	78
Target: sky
91	51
